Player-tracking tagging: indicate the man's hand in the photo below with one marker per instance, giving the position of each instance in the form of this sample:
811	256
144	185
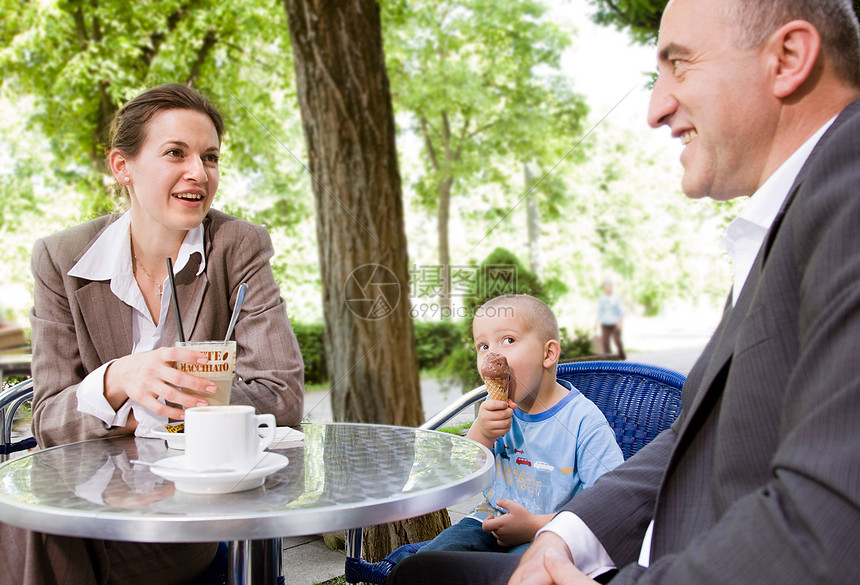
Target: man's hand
517	526
532	570
563	571
547	562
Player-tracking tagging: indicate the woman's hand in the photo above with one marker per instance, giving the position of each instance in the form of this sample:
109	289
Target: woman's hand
146	376
494	420
517	526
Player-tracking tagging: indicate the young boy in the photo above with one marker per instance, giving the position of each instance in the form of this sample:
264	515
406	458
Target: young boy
549	441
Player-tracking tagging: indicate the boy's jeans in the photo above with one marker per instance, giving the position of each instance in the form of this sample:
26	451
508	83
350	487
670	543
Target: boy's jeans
468	535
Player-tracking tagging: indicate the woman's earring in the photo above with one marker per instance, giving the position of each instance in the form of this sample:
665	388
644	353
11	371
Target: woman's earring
127	179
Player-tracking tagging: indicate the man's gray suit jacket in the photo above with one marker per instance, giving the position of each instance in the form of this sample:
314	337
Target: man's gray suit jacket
758	481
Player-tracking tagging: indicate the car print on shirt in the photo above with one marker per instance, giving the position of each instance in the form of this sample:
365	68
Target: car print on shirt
567	470
523	461
543	465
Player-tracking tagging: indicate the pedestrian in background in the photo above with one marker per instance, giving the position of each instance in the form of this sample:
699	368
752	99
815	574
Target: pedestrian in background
610	314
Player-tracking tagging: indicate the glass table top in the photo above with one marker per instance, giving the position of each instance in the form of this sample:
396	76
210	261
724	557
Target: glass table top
340	476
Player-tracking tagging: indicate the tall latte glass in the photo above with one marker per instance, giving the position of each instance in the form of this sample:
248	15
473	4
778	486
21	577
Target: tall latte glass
220	368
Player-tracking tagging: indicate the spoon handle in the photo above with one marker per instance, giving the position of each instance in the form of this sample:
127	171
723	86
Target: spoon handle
240	298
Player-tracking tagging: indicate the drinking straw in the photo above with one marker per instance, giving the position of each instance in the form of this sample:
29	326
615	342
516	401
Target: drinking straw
175	300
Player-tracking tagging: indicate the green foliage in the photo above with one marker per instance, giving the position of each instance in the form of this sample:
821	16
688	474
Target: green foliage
459	429
311	338
66	66
630	222
501	273
640	17
478	82
92	57
578	345
435	340
461	364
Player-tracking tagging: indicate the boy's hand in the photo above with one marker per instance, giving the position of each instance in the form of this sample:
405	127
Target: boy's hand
494	420
517	526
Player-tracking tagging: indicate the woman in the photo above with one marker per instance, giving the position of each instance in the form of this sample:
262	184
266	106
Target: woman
104	328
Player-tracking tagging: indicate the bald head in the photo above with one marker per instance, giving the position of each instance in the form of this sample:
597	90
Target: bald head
533	313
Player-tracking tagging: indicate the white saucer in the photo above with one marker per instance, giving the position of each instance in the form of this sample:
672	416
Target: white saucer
284	437
174	440
217	482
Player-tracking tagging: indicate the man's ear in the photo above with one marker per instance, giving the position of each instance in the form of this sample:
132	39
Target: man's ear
551	353
795	47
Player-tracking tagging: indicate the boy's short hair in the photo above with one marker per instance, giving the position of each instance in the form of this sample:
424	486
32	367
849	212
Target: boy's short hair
531	311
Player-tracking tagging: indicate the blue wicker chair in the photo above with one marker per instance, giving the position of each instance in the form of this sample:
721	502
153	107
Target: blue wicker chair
639	402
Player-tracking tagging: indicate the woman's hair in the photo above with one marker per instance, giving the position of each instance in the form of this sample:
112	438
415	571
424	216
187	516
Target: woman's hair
128	127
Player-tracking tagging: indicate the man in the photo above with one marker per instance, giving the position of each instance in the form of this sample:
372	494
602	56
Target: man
758	481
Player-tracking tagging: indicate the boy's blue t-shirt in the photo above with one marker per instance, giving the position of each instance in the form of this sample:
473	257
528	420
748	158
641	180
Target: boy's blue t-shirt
547	458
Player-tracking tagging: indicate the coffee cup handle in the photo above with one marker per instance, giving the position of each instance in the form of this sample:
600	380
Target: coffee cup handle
268	436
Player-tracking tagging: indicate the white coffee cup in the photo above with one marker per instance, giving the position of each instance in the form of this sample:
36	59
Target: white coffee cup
226	438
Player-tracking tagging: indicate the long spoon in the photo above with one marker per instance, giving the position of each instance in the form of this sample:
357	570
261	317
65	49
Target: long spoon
240	298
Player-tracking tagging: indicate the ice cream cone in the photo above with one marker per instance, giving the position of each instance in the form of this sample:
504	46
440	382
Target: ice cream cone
497	389
496	376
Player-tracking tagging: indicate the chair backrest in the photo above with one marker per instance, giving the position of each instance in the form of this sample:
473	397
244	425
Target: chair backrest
638	400
10	400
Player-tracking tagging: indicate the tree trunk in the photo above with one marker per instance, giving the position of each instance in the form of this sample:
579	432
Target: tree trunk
444	247
348	122
533	215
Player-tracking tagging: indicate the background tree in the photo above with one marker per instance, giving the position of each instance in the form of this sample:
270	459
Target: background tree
640	17
92	56
473	78
348	121
65	68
